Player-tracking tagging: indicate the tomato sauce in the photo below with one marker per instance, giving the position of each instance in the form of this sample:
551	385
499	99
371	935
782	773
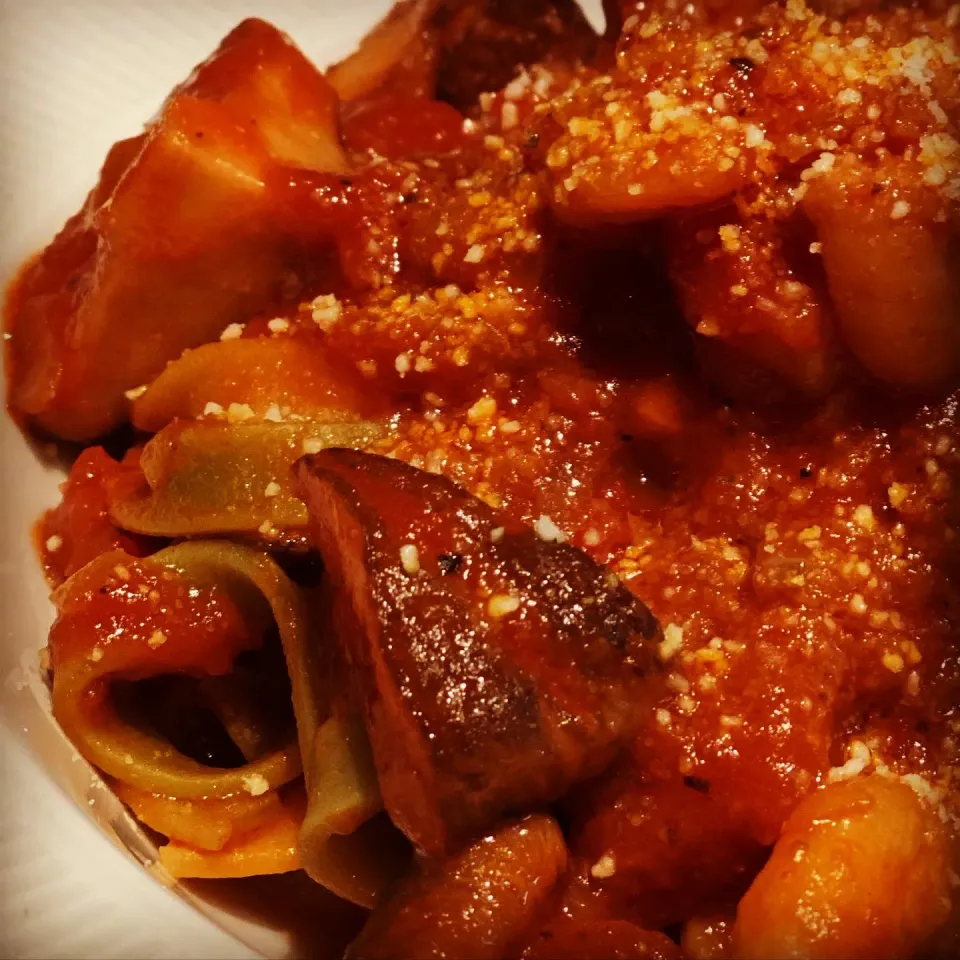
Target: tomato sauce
79	528
130	619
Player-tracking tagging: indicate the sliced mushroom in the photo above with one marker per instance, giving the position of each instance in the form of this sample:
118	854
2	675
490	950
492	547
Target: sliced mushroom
495	668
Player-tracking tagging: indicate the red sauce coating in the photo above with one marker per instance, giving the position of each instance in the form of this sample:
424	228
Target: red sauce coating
132	619
79	528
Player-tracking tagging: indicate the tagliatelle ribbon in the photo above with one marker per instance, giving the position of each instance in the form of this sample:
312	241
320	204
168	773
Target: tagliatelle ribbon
122	618
269	848
207	477
191	609
257	375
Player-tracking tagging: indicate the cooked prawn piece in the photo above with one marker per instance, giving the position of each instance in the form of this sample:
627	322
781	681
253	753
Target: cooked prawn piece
657	853
478	903
620	146
861	870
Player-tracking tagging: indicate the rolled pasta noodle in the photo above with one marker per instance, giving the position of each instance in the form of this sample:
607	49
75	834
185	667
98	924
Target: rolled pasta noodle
202	478
122	618
270	848
258	374
203	824
341	845
225	595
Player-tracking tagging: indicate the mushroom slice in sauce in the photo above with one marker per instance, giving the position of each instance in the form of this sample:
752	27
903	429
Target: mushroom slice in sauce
495	668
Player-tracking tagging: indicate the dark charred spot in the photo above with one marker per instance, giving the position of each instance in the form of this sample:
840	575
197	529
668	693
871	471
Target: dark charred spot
450	563
697	783
806	472
532	140
410	197
674	932
742	65
616	632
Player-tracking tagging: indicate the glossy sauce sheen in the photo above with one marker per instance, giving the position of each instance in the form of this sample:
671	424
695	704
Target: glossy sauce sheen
140	607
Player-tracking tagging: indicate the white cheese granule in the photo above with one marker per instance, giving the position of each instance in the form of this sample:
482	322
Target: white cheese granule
672	641
547	530
502	605
899	210
605	867
232	331
410	558
255	784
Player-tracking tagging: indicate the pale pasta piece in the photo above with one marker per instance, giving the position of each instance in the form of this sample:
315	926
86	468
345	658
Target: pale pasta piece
861	870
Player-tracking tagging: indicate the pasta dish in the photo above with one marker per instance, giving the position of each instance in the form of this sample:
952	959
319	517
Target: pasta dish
514	476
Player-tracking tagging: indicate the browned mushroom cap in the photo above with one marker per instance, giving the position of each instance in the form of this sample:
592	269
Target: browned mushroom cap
496	669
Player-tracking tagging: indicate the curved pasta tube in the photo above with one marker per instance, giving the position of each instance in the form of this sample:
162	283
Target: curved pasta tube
122	618
269	848
237	701
204	478
219	587
339	845
343	845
